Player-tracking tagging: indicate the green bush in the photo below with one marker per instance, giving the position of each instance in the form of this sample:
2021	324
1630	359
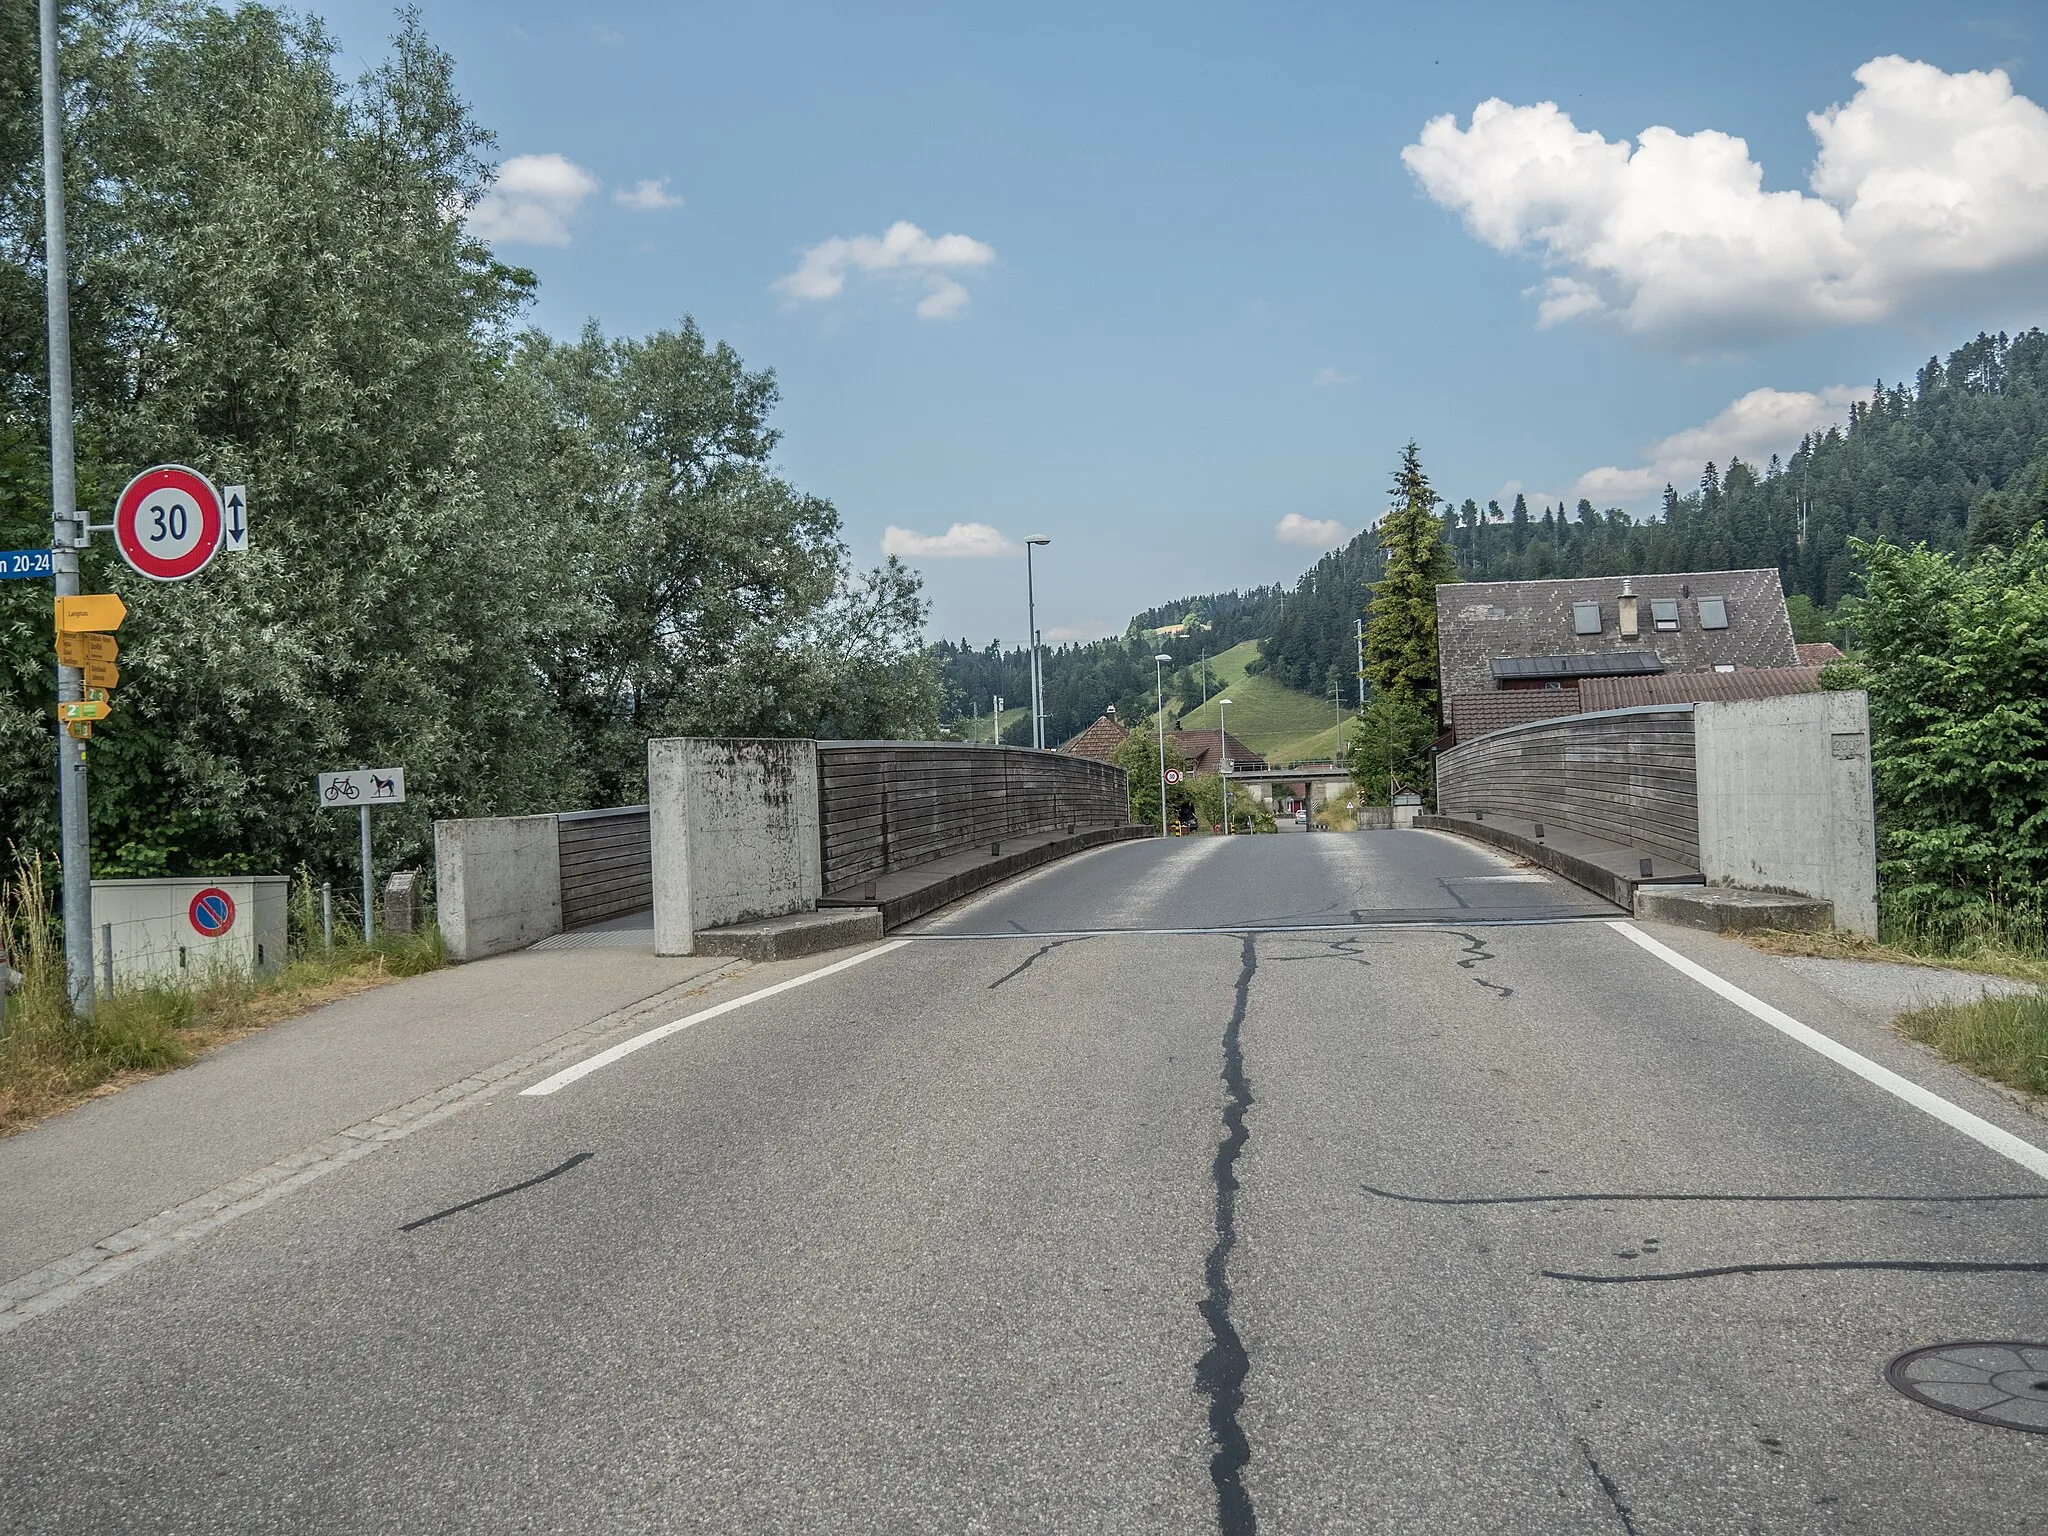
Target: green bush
1956	655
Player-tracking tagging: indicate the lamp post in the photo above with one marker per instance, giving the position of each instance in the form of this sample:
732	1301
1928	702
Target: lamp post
1223	762
1159	687
1031	614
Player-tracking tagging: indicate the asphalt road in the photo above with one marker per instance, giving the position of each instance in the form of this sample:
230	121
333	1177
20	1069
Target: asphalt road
1326	1183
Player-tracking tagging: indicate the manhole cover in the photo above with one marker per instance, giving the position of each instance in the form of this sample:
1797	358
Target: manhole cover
2003	1384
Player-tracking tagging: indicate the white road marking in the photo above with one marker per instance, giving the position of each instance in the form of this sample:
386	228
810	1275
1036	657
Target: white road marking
2003	1142
624	1048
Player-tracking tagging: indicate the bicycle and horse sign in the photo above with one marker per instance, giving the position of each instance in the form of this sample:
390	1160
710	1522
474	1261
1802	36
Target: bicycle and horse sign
362	786
359	789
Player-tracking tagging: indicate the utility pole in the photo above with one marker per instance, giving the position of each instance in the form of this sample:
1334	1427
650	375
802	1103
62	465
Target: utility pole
75	839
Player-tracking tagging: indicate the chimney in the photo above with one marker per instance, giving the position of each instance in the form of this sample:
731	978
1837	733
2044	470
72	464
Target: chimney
1628	611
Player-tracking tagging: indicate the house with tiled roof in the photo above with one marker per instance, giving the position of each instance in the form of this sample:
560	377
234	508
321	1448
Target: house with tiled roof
1100	740
1200	748
1513	651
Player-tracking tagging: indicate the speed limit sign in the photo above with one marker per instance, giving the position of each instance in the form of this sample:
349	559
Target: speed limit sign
168	522
1173	775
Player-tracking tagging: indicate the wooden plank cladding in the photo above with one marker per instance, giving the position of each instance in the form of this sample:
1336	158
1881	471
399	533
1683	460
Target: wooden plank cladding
607	864
885	806
1626	776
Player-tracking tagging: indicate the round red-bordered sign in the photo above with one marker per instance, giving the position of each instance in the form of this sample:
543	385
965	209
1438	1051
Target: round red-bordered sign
168	522
212	912
1173	775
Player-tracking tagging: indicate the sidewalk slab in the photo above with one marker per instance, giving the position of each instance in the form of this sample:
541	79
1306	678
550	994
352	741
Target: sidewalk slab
118	1161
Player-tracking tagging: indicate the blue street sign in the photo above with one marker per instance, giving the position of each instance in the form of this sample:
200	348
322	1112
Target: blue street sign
24	564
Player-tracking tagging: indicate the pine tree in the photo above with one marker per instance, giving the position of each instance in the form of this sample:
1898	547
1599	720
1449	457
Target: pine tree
1400	640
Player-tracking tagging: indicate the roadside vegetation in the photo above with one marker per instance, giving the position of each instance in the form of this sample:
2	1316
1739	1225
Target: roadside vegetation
1988	951
2002	1038
50	1060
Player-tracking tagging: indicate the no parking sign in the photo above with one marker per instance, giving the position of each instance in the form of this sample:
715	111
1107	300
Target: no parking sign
212	912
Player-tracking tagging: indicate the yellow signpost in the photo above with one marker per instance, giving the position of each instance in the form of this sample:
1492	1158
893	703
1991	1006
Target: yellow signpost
83	642
89	611
82	650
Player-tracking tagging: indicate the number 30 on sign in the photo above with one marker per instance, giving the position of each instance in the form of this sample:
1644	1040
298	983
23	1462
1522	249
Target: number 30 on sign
169	523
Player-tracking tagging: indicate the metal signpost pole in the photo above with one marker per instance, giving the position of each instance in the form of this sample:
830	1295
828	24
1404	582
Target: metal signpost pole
369	910
1159	687
75	841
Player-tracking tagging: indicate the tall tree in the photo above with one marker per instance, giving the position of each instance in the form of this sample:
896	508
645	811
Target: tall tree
1400	641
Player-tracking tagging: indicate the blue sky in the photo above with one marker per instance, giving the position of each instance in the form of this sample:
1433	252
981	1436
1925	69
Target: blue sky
1196	289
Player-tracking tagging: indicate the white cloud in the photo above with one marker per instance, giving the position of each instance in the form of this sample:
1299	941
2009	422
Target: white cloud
1310	532
1326	377
1761	423
1080	633
532	201
903	251
961	541
647	196
943	300
1926	183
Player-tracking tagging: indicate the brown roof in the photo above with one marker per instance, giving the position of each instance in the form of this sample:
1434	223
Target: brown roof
1098	741
1478	622
1696	687
1818	654
1199	748
1474	714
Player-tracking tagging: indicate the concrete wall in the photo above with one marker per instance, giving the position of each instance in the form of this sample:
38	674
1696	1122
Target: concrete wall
1785	799
498	883
735	833
143	929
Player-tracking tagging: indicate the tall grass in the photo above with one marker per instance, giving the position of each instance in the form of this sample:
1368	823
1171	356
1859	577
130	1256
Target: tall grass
2004	1038
50	1057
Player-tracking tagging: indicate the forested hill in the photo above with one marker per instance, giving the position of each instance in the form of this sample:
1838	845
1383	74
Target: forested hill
1957	458
1915	463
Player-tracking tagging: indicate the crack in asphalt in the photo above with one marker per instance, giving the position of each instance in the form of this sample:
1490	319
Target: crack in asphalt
1475	952
1221	1372
1909	1266
1030	960
1609	1487
1349	948
498	1194
1562	1199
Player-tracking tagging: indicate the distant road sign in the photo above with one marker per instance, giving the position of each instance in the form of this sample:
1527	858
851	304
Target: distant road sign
361	786
101	674
85	709
24	564
234	501
98	611
1173	775
168	522
212	912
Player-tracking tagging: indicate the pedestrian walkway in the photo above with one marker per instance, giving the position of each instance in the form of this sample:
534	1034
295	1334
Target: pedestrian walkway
120	1160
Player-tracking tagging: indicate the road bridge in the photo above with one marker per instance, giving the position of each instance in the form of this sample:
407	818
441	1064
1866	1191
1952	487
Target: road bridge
1300	1184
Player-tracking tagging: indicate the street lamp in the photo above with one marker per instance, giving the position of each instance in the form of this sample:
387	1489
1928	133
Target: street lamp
1159	686
1223	763
1031	613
